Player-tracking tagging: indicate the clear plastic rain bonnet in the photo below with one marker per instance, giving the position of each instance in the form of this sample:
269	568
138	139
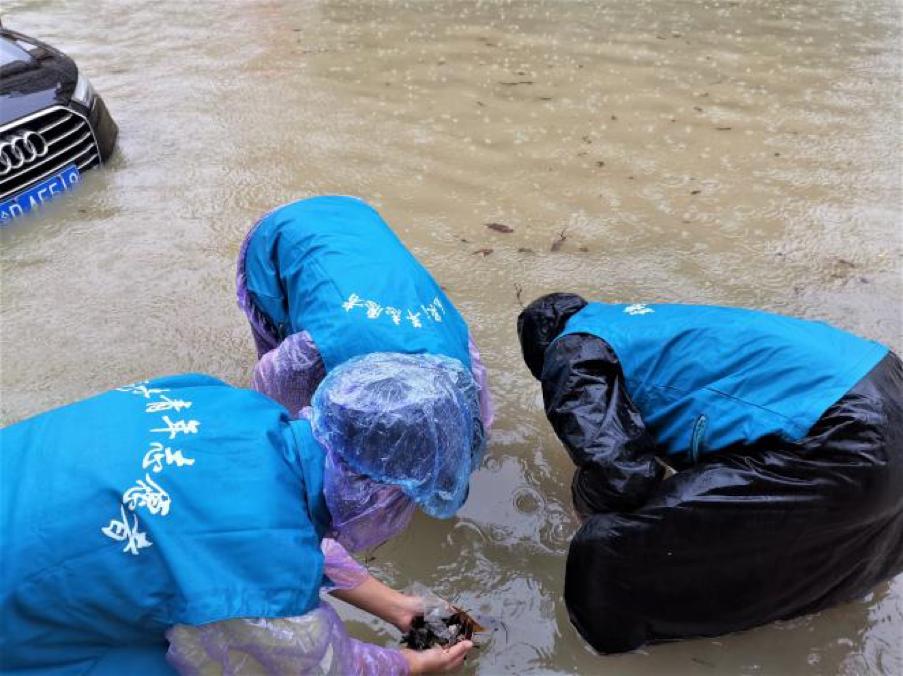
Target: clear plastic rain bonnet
398	429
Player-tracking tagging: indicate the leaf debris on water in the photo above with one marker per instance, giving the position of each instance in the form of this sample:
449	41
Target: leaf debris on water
558	243
518	290
500	227
483	252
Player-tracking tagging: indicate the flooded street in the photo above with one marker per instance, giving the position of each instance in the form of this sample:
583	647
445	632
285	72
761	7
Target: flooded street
701	152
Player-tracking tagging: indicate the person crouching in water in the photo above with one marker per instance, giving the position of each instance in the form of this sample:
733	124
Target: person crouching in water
323	280
183	517
788	438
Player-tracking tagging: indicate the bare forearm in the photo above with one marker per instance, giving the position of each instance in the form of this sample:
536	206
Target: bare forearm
383	601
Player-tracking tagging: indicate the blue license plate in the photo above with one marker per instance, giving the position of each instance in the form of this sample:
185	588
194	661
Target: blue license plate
39	193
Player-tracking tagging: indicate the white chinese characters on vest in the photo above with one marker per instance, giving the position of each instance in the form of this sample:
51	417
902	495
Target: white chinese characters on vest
147	493
432	312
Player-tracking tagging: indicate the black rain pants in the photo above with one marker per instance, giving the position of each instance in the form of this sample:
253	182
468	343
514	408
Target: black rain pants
748	536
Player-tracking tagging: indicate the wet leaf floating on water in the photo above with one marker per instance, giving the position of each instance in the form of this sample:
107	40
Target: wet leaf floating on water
524	249
517	82
723	128
500	227
483	252
695	192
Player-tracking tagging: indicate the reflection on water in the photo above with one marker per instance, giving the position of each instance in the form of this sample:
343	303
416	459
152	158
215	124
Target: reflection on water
723	152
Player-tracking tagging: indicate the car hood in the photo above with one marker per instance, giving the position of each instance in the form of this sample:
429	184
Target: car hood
33	76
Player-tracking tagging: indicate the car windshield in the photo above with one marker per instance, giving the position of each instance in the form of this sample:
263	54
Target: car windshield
10	52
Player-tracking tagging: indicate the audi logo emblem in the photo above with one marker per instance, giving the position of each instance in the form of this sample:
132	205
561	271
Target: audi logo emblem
20	149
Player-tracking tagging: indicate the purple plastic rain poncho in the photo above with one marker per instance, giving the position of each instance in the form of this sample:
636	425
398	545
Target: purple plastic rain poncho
315	643
399	431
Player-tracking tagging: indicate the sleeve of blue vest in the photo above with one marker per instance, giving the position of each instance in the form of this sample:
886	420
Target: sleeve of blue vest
589	408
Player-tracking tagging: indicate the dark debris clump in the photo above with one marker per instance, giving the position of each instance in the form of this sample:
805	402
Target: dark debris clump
446	631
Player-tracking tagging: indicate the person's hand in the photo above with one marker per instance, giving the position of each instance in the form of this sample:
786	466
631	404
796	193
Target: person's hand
404	609
436	660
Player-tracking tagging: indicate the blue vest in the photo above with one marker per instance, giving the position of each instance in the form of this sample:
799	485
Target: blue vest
706	377
178	500
331	266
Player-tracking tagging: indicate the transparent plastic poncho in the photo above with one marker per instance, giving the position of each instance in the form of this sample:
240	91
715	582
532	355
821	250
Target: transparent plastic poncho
314	643
410	421
365	513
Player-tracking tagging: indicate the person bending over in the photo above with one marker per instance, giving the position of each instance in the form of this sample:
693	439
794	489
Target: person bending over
325	279
788	440
177	522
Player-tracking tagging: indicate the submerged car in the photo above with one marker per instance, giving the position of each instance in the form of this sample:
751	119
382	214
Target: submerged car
53	125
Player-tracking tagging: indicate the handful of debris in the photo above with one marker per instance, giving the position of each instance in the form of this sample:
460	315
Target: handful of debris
441	624
428	631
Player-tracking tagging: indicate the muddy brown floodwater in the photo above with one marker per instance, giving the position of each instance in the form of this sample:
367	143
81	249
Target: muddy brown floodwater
743	153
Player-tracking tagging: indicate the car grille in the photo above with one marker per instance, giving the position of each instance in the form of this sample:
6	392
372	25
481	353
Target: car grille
67	139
